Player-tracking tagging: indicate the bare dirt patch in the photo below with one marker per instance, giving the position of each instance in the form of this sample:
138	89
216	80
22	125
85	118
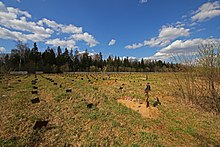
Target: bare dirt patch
150	112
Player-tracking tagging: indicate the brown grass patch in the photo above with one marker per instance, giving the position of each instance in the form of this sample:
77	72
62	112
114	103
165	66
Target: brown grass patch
150	112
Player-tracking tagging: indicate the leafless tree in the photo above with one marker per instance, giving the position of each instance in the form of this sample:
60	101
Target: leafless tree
199	83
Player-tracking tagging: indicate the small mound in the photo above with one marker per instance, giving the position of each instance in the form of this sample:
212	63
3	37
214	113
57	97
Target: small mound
150	112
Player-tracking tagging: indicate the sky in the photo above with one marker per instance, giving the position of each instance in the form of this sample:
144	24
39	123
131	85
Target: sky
149	29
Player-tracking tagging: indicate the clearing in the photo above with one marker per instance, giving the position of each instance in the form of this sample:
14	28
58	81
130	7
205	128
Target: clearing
95	110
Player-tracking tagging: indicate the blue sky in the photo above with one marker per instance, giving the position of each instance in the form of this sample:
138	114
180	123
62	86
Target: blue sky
151	29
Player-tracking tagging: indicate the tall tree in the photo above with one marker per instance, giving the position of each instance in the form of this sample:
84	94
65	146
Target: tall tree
35	57
59	51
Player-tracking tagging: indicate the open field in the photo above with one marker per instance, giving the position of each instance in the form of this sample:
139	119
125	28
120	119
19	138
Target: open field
98	111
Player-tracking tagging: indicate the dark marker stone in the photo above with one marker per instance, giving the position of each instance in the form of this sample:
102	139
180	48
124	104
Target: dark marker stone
35	100
90	105
40	124
34	92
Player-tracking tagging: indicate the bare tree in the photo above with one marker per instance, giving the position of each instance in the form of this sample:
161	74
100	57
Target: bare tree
200	82
22	48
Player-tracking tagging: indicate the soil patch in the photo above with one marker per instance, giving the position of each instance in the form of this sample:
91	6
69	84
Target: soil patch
150	112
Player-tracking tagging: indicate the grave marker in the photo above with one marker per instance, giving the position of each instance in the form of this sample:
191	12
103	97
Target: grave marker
35	87
90	105
68	90
35	100
40	124
34	92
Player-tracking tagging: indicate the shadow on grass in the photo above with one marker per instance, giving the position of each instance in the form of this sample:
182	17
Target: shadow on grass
205	141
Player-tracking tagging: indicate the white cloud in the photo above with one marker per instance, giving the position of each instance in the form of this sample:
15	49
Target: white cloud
180	47
37	37
60	27
16	24
19	12
207	11
16	20
180	24
89	39
143	1
71	29
166	35
52	24
2	49
12	35
2	7
134	46
112	42
23	25
171	33
63	43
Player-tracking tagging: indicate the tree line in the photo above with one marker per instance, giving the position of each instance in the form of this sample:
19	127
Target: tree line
22	58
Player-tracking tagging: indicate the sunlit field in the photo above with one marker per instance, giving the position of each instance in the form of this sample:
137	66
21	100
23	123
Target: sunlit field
100	110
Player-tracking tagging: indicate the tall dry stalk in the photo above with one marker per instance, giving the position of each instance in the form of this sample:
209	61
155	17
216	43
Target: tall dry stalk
199	83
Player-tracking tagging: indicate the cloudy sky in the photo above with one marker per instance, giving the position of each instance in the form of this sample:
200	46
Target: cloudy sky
155	29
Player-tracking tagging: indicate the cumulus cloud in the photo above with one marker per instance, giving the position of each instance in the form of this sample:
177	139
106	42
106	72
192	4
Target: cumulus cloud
2	49
166	35
180	47
18	12
23	25
207	11
134	46
13	24
63	43
12	35
16	24
112	42
62	28
89	39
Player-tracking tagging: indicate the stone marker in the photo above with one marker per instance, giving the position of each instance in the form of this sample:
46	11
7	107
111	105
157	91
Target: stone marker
35	100
68	90
34	92
40	124
35	87
90	105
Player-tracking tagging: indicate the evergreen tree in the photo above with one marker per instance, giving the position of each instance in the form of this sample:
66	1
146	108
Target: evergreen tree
35	58
59	51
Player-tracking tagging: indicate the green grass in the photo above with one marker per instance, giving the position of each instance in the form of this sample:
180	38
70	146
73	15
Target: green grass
107	123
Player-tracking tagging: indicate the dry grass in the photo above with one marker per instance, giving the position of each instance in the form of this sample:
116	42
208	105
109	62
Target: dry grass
108	122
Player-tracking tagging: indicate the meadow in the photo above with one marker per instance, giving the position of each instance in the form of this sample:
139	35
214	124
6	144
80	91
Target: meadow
100	110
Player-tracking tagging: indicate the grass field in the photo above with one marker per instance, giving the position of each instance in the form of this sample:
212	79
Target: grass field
92	115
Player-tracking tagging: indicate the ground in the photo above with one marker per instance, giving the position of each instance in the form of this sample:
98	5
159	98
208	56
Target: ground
101	111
